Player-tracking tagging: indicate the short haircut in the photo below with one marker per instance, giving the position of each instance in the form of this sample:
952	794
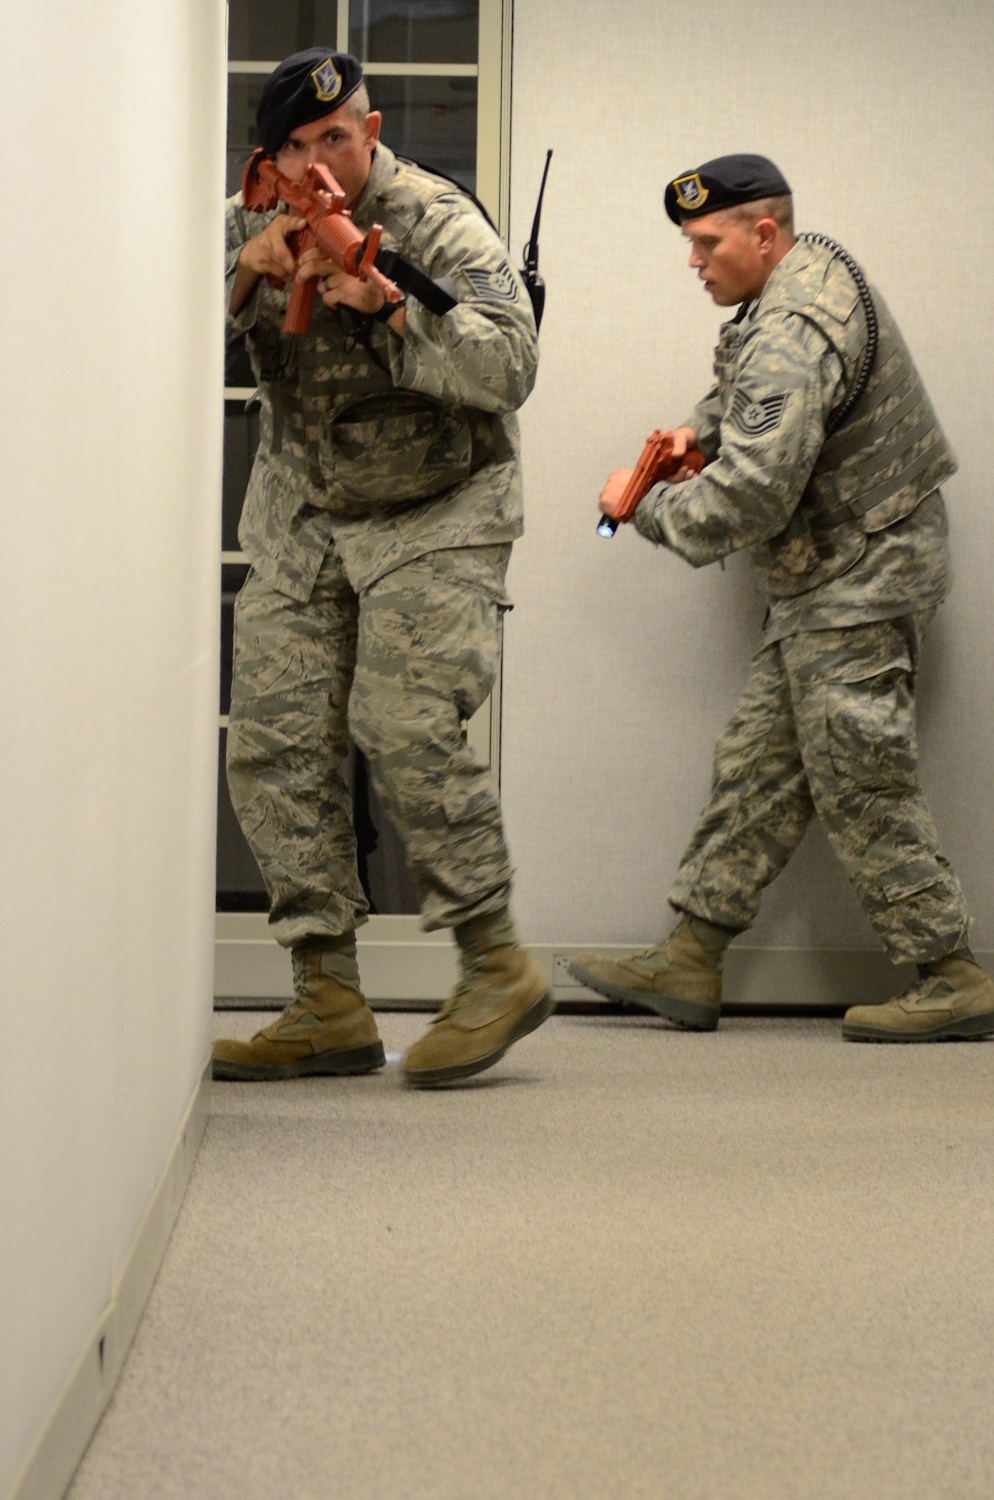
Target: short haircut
779	209
358	103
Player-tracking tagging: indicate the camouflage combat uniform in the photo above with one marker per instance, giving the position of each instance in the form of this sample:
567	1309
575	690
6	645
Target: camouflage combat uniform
848	534
378	521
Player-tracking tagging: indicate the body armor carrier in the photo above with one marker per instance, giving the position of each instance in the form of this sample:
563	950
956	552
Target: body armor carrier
884	451
363	443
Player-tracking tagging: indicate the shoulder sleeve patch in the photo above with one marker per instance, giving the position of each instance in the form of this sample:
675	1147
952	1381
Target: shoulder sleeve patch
501	284
756	418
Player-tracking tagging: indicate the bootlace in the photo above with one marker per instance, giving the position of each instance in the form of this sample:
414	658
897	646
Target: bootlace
926	975
300	1004
299	975
473	979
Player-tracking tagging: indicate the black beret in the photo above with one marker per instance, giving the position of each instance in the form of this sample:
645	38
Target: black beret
722	183
303	88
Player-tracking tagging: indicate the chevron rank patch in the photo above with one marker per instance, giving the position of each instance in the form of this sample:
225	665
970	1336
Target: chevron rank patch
756	418
499	284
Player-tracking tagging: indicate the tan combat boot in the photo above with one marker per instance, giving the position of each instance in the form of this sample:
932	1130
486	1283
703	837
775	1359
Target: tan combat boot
953	998
329	1029
679	979
502	997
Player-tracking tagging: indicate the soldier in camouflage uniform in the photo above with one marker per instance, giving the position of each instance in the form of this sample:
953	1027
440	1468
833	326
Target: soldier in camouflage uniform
843	517
378	522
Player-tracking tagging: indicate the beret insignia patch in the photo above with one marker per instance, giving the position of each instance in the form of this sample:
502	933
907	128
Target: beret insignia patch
690	191
500	283
327	81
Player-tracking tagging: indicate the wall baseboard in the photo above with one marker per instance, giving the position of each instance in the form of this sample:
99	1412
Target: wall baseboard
48	1470
402	966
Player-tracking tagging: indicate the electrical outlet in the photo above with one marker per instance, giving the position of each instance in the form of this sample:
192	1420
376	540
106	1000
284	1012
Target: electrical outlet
561	976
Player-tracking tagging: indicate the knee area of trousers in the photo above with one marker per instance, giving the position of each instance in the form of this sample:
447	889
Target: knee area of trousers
870	730
385	723
253	754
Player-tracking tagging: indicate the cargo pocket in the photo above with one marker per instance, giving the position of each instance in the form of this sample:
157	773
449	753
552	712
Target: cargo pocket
870	729
473	801
392	449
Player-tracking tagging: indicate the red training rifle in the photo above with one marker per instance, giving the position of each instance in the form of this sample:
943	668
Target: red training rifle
320	201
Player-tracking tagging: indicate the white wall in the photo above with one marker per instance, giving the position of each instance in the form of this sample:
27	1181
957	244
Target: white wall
112	123
622	663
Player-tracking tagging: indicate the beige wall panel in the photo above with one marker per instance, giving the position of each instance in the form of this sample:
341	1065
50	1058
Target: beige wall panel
112	116
621	662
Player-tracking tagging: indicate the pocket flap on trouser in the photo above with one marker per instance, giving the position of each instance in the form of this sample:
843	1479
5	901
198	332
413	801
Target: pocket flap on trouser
902	881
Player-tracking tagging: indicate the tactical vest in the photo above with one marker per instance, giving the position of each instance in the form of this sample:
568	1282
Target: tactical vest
881	463
362	443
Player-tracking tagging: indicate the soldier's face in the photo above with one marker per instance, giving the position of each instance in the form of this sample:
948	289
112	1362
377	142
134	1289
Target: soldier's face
339	141
728	255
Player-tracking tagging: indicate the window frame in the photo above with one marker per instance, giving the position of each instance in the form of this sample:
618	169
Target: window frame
493	138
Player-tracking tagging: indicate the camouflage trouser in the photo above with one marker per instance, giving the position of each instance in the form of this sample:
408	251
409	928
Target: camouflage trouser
400	666
826	728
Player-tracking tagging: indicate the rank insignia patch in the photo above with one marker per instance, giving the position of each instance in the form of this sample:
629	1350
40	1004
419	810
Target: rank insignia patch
500	283
327	81
756	418
690	192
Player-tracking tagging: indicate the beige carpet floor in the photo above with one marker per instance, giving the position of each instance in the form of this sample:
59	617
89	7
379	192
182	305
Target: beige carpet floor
628	1262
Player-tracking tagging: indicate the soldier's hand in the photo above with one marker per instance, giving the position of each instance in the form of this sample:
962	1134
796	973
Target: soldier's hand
682	438
267	253
336	286
613	490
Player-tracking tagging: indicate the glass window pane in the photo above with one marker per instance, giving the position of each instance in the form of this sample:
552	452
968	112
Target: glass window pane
238	367
268	32
240	887
233	575
241	438
432	120
429	31
244	92
382	860
423	31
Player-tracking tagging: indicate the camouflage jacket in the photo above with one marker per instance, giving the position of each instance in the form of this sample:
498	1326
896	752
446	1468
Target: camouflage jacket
814	510
388	447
